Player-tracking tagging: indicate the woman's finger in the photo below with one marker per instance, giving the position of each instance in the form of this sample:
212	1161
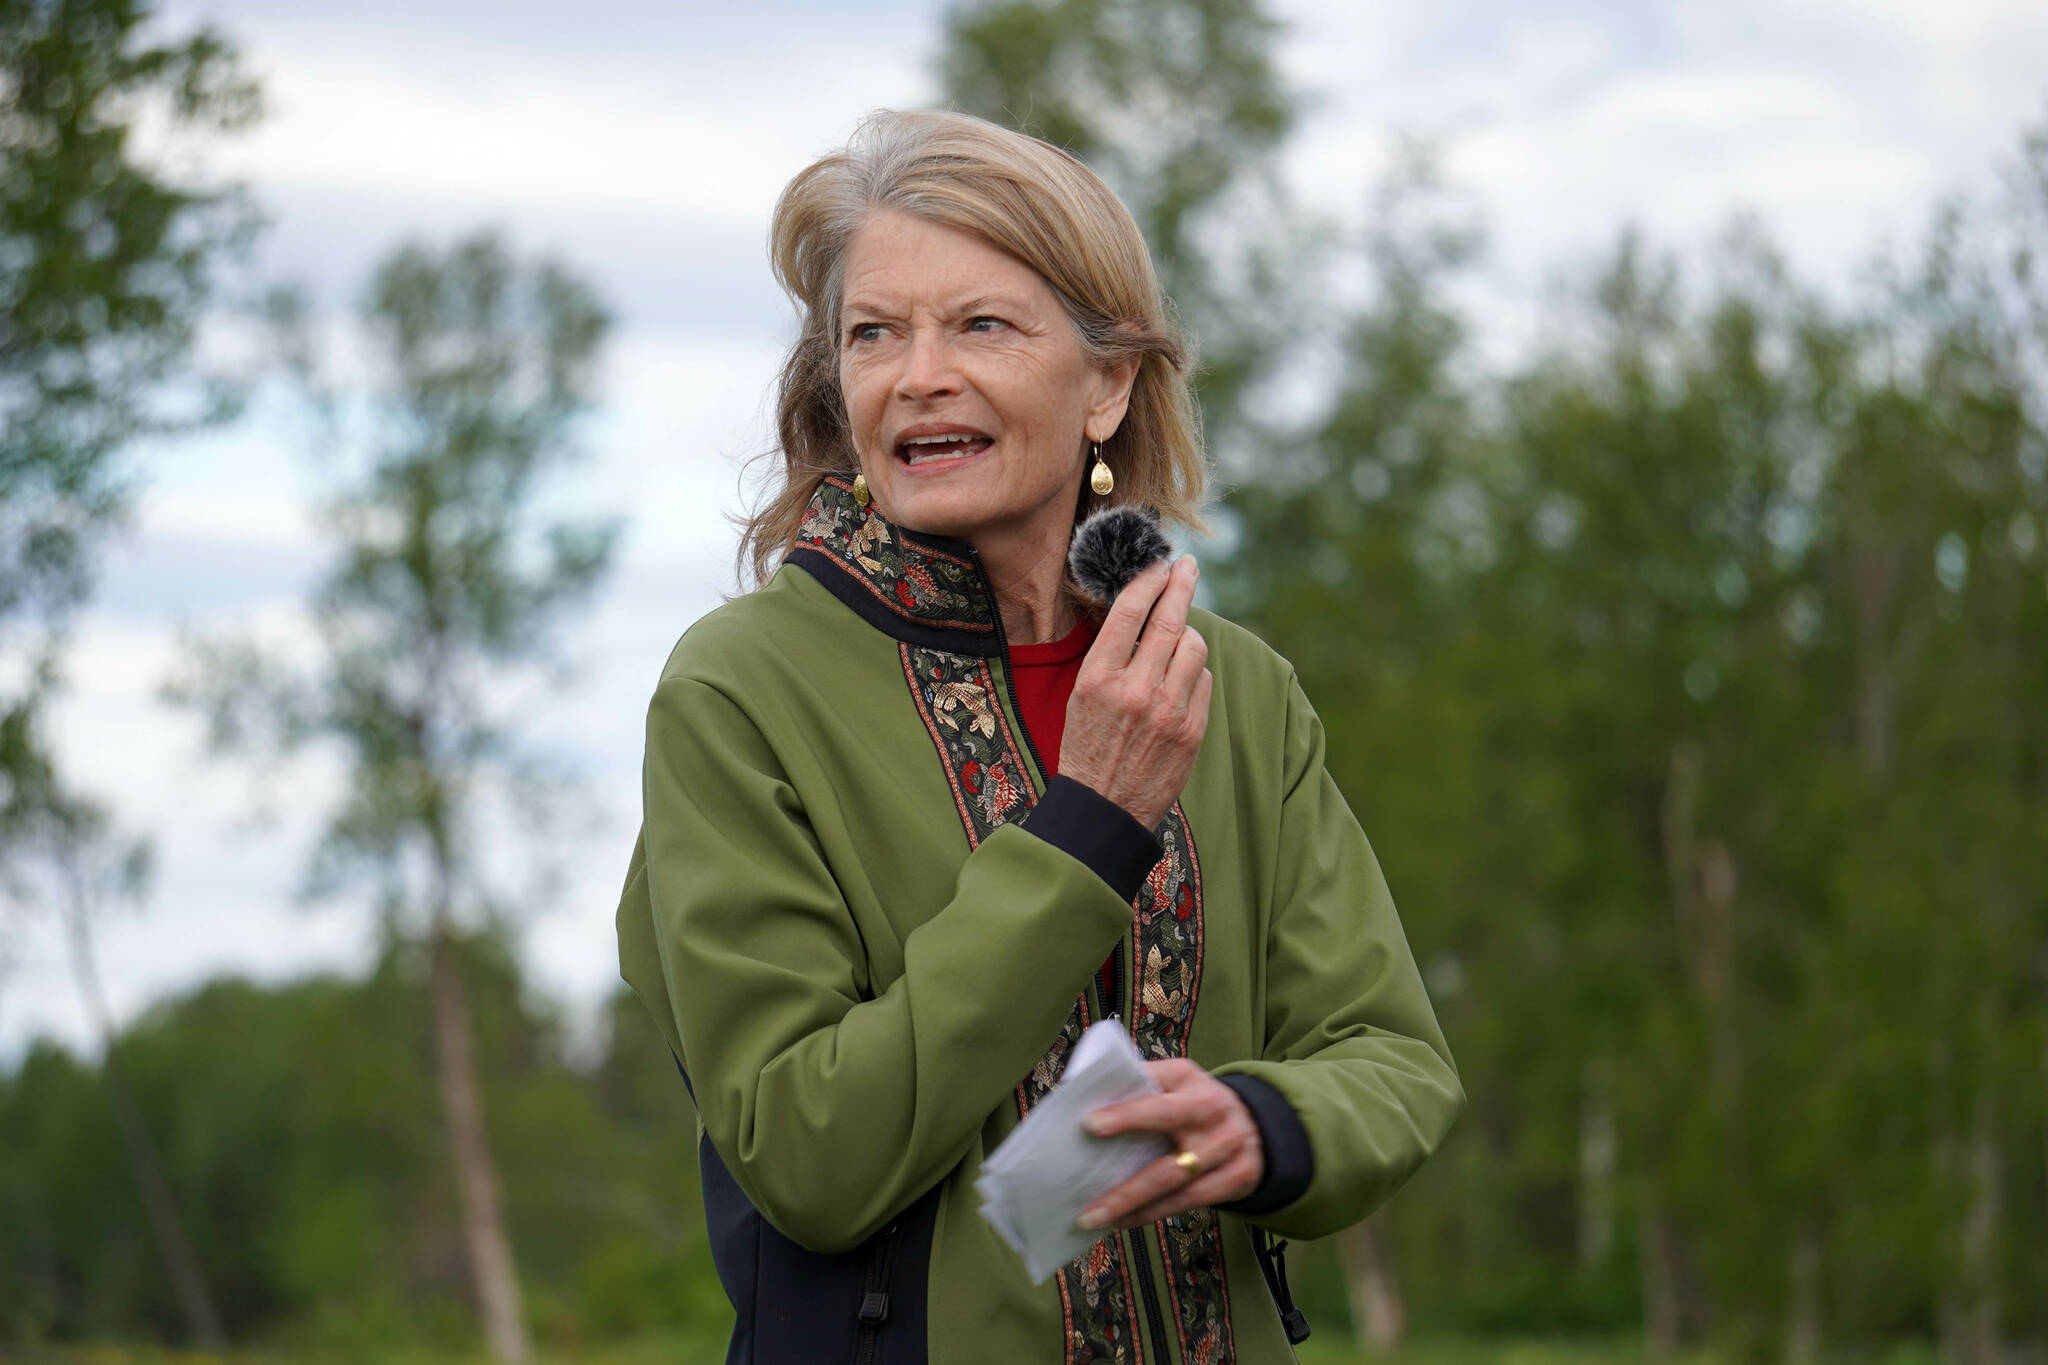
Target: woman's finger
1169	618
1174	1111
1158	1180
1187	665
1233	1180
1126	615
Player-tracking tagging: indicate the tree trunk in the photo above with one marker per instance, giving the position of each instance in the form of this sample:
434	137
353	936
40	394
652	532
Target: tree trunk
1702	876
1803	1312
1378	1314
181	1263
483	1223
1874	573
1597	1150
1658	1256
1980	1300
1676	1309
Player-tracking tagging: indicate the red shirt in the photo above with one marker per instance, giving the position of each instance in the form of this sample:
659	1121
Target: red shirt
1045	681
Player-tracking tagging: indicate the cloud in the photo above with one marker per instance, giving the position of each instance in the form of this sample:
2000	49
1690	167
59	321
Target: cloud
518	131
1835	121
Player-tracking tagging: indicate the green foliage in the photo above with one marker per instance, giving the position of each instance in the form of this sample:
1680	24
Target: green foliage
300	1123
108	263
1688	682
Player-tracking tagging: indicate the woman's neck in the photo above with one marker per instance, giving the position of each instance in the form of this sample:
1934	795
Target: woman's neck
1028	582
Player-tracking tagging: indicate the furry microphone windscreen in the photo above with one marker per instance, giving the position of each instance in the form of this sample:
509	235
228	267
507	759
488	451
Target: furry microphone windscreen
1114	545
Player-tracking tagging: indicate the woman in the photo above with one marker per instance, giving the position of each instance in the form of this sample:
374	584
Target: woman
916	813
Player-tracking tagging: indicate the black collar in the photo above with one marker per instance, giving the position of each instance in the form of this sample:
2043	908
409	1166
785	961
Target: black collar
928	590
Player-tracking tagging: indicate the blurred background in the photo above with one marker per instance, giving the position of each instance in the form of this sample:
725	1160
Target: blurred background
1630	419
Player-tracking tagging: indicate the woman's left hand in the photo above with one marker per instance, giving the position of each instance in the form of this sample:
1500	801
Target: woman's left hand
1202	1115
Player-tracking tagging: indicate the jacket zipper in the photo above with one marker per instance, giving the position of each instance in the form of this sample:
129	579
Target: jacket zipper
1143	1265
1140	1265
874	1299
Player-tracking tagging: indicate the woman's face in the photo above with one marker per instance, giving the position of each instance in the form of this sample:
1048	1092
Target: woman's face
943	336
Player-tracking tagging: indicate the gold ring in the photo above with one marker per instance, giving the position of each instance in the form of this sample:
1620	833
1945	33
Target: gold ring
1188	1162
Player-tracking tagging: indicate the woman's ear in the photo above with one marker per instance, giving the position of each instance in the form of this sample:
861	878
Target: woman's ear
1112	397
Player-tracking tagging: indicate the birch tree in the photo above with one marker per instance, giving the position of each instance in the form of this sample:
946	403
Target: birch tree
109	264
450	574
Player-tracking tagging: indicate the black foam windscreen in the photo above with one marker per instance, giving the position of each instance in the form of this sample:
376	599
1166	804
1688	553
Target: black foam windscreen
1112	546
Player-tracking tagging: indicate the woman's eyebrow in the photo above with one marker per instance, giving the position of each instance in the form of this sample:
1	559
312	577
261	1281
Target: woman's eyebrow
1001	303
864	306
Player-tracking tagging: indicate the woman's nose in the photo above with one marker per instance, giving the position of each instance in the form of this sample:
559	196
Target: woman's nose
928	366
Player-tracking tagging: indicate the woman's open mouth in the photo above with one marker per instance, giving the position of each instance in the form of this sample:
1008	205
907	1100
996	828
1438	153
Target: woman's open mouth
942	451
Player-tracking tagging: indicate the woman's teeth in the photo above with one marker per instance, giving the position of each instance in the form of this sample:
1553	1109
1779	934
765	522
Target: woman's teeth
924	449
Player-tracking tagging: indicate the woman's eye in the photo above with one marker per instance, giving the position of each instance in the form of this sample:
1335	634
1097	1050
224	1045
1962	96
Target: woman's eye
976	322
864	331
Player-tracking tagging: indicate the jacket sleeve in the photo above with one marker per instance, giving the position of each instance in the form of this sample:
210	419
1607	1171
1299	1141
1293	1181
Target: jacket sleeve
1354	1066
831	1110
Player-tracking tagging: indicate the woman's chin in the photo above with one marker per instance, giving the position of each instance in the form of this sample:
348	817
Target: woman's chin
951	505
953	519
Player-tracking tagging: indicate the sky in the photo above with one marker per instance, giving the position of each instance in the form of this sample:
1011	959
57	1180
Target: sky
643	142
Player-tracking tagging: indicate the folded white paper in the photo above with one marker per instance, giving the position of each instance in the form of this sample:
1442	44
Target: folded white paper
1035	1184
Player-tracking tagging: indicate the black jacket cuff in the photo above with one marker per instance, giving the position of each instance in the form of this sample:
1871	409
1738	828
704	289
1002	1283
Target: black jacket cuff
1290	1165
1074	817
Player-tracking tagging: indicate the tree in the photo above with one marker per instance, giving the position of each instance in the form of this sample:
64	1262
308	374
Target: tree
449	578
84	867
1934	566
1179	105
108	264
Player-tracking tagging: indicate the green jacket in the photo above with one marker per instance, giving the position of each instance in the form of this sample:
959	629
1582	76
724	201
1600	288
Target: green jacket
869	930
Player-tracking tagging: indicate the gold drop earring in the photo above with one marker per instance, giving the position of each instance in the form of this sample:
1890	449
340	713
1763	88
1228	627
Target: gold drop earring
860	489
1101	480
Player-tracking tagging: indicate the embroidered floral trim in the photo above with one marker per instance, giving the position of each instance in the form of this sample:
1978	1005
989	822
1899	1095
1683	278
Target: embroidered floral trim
957	699
1168	933
913	578
1099	1311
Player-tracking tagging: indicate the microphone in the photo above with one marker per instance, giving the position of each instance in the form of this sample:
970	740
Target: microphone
1113	545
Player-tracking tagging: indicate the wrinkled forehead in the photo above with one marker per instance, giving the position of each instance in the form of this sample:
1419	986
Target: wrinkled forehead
897	264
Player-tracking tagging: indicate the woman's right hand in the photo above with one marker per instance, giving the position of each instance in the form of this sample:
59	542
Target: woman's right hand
1141	701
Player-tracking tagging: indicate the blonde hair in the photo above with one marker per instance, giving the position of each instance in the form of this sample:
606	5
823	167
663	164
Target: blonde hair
1025	197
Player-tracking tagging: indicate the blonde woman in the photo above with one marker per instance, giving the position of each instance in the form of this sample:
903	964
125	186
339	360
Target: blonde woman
917	812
